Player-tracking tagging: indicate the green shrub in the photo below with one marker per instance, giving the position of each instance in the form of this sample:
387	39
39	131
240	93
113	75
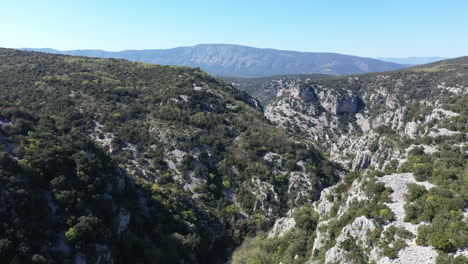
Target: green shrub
421	171
441	242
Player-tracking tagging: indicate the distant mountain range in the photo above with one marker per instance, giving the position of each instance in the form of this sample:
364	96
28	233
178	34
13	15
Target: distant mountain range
244	61
413	60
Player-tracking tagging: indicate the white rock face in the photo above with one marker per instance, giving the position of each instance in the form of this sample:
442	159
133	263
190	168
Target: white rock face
266	196
106	140
358	231
300	186
320	237
282	226
457	89
177	155
197	88
185	98
355	151
302	94
336	255
442	132
274	158
363	122
438	113
323	205
362	160
461	252
412	254
412	129
355	193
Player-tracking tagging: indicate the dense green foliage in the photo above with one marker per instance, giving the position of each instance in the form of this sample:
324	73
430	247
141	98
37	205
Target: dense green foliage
57	185
172	146
441	207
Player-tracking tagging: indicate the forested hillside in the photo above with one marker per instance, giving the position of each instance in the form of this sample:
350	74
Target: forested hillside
105	160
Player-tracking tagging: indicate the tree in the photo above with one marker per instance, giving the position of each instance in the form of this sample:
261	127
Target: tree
84	231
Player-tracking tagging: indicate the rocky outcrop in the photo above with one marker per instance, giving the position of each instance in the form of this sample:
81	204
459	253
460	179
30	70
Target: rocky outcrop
281	227
336	103
412	129
266	197
303	92
358	231
412	254
362	160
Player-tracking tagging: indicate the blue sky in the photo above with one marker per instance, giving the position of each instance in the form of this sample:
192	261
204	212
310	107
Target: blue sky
378	28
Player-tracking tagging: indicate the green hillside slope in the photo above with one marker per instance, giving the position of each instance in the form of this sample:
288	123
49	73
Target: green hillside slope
115	160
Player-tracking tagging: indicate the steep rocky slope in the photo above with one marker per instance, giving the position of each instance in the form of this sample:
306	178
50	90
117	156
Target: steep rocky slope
106	160
243	61
402	135
352	116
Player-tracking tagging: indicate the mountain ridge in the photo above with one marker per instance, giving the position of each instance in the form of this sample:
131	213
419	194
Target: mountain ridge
245	61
